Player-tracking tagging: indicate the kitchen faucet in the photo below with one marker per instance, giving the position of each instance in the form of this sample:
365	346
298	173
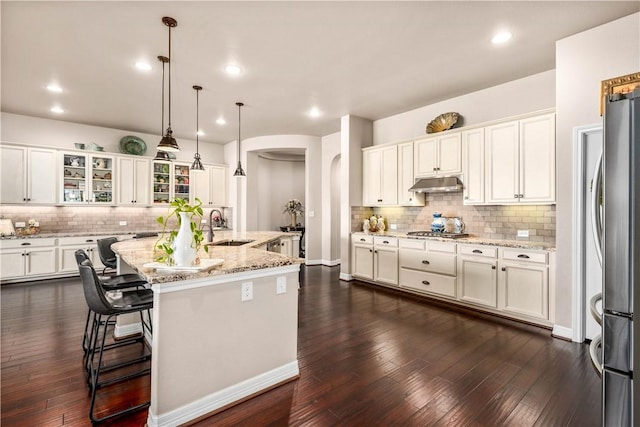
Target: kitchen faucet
210	235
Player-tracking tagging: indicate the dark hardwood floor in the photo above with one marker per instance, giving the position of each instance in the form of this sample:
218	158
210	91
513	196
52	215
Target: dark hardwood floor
367	358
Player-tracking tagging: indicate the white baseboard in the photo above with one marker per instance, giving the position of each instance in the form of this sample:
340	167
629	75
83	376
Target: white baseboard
313	262
126	330
223	397
345	276
562	332
331	263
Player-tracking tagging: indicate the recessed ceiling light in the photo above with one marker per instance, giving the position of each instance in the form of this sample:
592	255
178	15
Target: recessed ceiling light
314	112
143	66
200	133
57	109
54	87
233	69
501	37
221	121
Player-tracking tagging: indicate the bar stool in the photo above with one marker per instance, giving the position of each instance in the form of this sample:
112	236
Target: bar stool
107	256
134	301
112	283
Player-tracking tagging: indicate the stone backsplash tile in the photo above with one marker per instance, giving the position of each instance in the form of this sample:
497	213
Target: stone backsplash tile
62	219
499	222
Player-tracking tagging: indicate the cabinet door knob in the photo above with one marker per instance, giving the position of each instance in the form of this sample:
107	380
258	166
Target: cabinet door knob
425	282
477	251
515	196
363	240
523	256
386	242
379	200
493	267
424	261
503	269
371	250
24	199
466	197
410	199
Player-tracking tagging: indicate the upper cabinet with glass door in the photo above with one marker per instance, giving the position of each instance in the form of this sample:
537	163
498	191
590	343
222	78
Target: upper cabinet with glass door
87	178
170	180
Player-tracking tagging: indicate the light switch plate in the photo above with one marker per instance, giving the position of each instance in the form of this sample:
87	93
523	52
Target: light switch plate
523	233
312	214
20	224
393	226
281	285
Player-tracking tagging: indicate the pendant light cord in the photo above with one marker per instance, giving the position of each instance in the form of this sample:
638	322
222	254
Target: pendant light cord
169	78
162	129
197	121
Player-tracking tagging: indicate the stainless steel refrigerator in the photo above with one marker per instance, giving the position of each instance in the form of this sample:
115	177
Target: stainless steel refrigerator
620	242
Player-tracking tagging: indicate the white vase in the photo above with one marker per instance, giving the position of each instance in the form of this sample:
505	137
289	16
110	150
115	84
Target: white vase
184	250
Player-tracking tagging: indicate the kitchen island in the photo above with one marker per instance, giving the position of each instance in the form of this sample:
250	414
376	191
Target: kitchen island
219	336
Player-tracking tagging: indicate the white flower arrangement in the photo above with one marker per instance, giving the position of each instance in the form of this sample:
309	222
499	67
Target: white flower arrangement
293	206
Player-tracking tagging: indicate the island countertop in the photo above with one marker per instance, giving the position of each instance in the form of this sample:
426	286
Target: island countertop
137	253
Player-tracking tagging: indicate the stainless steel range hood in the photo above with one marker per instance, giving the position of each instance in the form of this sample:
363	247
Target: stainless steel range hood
437	185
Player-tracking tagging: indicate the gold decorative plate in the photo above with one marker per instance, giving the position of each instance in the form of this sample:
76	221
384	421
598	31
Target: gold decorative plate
443	122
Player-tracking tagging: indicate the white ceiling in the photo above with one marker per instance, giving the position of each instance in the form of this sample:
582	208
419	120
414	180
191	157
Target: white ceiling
369	59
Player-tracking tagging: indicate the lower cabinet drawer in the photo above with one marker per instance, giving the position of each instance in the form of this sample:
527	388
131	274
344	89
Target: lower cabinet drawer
428	261
428	282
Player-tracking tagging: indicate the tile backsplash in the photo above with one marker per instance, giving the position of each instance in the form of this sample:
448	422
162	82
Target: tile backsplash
64	219
493	222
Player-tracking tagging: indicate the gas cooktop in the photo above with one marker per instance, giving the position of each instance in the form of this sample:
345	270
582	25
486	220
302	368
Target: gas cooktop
426	233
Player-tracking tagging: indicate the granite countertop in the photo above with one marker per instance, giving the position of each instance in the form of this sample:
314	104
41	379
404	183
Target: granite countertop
473	240
237	259
77	234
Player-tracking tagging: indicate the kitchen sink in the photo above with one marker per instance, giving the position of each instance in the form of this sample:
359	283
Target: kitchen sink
238	242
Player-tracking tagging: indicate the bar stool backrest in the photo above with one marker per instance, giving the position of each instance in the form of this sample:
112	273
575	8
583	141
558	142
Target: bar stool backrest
93	292
107	256
81	255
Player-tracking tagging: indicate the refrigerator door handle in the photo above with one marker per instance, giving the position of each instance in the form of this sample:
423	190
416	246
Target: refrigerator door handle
594	311
596	214
593	353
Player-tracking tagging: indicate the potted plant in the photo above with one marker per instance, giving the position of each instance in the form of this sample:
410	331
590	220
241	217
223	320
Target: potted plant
294	208
180	245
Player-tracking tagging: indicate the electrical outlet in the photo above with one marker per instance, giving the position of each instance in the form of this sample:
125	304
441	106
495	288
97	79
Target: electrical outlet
247	291
123	223
393	226
312	214
523	233
20	224
281	285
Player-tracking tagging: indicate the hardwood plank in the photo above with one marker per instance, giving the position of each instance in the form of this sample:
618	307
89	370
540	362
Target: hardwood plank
367	356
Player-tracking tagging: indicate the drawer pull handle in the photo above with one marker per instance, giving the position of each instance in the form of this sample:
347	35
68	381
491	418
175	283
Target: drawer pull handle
523	256
425	282
363	240
89	240
477	251
424	261
25	244
386	242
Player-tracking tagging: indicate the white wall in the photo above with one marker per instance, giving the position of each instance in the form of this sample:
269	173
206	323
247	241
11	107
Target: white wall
331	186
245	191
60	134
532	93
355	133
278	182
582	62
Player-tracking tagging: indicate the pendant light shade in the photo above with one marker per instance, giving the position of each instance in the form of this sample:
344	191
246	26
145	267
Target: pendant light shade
239	171
197	164
162	155
168	142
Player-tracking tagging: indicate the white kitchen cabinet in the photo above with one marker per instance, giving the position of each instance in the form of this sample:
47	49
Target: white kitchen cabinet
375	258
406	177
210	186
524	284
27	257
133	181
28	175
478	278
428	266
67	247
87	178
362	257
170	180
286	246
438	155
520	161
380	176
473	166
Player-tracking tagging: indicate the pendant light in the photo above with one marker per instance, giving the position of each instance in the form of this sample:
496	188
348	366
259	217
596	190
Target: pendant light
197	164
162	155
239	171
168	142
